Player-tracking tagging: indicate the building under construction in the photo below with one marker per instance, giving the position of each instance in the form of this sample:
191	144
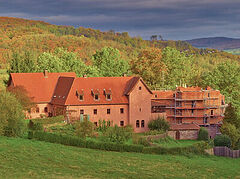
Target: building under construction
191	105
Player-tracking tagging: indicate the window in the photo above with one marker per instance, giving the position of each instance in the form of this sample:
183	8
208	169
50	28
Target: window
108	97
81	111
95	111
192	112
140	88
121	110
81	97
108	111
142	123
137	123
211	112
95	123
96	97
46	109
209	95
155	95
121	123
37	109
140	109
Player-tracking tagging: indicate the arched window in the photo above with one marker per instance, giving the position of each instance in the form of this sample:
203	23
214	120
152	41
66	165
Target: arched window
142	123
137	124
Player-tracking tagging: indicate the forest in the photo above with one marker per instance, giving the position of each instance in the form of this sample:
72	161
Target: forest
33	46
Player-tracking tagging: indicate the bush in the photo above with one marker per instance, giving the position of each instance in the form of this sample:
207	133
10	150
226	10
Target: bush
118	134
139	140
222	140
231	131
238	145
49	120
103	125
11	115
84	128
154	132
203	134
35	126
158	124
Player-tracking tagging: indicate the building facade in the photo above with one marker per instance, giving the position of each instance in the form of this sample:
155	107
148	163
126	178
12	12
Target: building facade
123	101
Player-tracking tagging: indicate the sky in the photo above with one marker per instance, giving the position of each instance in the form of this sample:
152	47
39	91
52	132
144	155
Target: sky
172	19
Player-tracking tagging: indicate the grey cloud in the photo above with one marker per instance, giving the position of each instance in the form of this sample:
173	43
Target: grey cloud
175	19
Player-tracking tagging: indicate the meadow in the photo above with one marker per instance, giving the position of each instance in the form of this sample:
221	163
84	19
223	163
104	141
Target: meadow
23	158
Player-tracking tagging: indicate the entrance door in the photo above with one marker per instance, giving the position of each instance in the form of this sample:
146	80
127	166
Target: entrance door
177	135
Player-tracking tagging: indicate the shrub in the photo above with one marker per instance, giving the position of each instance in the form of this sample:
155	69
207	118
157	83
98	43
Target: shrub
238	145
154	132
118	134
203	134
231	131
103	125
11	115
84	128
35	126
139	140
49	120
222	140
158	124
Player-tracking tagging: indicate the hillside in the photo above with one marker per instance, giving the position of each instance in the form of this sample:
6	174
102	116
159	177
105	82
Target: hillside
220	43
23	35
22	158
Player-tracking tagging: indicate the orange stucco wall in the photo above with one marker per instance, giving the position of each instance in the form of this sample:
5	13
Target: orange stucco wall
34	114
139	107
115	115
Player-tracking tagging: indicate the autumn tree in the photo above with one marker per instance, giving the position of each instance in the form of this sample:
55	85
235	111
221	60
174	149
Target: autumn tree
150	66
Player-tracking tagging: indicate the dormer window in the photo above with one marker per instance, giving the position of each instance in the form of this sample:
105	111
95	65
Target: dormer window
95	94
96	97
80	94
108	94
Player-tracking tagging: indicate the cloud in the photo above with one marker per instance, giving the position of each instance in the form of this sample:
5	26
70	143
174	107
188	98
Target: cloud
174	19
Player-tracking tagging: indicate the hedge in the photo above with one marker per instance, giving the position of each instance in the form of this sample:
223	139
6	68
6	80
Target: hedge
108	146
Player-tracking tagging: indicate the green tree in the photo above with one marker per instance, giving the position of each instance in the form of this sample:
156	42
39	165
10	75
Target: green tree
108	61
231	131
159	124
84	128
50	62
231	116
179	68
11	115
203	134
226	78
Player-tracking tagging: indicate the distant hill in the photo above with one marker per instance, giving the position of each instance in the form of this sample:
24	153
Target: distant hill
220	43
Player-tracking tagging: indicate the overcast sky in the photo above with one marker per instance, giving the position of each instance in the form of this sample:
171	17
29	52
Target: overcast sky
173	19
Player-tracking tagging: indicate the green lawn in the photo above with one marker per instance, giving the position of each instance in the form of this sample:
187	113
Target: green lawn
22	158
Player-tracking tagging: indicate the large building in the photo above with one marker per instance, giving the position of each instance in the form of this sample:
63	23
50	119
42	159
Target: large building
191	105
122	100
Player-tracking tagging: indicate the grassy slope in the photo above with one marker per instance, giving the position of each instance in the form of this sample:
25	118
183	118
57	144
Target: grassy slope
22	158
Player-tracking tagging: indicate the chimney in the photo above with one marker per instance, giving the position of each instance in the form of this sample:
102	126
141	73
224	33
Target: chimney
45	74
84	76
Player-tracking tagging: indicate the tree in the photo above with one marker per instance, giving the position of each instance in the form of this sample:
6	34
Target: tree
50	62
231	131
22	96
178	68
226	78
159	124
231	116
11	115
203	134
150	66
108	61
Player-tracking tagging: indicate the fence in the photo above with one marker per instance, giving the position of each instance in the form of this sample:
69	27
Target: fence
226	152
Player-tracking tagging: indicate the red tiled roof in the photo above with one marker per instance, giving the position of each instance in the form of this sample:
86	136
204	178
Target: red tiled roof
184	126
39	87
95	85
164	94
